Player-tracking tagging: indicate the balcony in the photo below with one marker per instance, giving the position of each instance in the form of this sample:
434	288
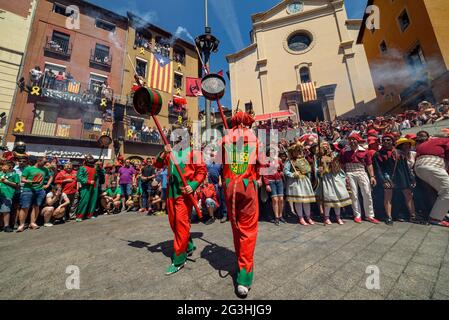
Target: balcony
143	137
58	48
65	89
100	60
43	131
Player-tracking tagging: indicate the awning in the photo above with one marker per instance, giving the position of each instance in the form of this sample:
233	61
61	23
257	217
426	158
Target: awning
181	101
275	115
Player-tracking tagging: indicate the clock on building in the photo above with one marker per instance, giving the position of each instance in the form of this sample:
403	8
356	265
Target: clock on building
295	7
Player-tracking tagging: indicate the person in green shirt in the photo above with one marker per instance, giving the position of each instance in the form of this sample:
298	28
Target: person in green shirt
50	175
33	192
9	183
111	199
133	202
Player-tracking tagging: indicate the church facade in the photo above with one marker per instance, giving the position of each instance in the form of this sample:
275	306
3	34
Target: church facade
298	42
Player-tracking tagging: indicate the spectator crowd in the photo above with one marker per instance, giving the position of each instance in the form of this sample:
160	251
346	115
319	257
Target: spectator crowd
349	168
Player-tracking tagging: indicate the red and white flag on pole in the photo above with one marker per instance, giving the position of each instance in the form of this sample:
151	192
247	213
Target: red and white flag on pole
308	91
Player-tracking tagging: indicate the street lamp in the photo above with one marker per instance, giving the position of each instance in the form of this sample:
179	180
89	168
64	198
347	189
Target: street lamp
207	44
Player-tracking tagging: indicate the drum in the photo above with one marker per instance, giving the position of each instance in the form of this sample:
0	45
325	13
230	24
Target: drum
213	87
147	101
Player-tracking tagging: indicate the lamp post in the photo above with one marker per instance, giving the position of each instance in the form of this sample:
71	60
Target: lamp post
207	44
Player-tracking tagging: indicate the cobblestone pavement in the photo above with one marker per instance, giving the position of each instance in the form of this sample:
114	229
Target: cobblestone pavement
125	256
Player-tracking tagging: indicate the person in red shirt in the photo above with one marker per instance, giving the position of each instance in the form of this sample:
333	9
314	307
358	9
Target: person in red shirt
355	159
67	180
240	155
208	197
275	186
373	146
431	167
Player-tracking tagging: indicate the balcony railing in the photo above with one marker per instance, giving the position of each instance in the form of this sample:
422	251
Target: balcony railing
100	58
68	89
39	127
143	137
60	47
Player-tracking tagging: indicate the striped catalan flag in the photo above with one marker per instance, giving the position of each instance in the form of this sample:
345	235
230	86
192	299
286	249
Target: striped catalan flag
308	91
160	75
73	87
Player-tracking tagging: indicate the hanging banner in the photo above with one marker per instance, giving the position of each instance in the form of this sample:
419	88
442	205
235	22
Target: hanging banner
193	87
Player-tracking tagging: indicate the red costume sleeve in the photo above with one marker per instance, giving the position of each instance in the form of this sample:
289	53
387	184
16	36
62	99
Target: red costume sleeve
199	169
160	162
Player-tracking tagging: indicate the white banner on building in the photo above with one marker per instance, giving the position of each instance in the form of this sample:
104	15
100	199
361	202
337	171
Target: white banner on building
40	150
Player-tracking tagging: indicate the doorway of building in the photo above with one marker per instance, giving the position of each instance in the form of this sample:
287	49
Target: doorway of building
310	111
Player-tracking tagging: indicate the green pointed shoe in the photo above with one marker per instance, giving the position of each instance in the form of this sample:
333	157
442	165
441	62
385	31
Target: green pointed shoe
79	220
173	269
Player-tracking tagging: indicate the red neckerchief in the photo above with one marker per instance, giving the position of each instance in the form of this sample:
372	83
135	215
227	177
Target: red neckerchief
389	154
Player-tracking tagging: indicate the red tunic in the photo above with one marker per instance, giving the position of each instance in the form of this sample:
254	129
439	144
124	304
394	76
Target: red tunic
241	172
91	175
438	147
359	156
179	206
192	166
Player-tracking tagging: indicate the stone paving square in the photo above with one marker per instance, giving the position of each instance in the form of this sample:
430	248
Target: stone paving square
125	256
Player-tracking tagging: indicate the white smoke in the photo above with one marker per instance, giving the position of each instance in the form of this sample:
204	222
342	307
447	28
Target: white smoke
148	17
113	39
180	31
393	69
224	10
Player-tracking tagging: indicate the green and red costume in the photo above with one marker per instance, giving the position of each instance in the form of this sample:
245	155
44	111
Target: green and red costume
90	177
179	206
240	173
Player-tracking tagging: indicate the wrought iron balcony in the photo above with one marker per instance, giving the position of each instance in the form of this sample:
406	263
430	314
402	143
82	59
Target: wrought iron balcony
100	59
58	47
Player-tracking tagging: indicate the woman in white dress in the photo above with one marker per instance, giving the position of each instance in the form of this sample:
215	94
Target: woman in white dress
299	188
332	184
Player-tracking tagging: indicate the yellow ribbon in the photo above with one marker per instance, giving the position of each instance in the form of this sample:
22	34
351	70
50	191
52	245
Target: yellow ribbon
142	51
35	91
179	65
19	127
180	119
103	102
130	133
178	91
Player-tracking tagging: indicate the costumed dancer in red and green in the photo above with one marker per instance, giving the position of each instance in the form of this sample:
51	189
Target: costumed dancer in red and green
178	203
240	149
89	177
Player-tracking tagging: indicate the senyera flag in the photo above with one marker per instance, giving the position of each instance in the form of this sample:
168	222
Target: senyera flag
161	73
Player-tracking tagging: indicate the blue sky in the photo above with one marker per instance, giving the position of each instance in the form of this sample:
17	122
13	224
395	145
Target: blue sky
230	20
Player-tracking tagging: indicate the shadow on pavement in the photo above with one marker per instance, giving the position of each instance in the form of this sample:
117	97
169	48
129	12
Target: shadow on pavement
166	247
223	260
